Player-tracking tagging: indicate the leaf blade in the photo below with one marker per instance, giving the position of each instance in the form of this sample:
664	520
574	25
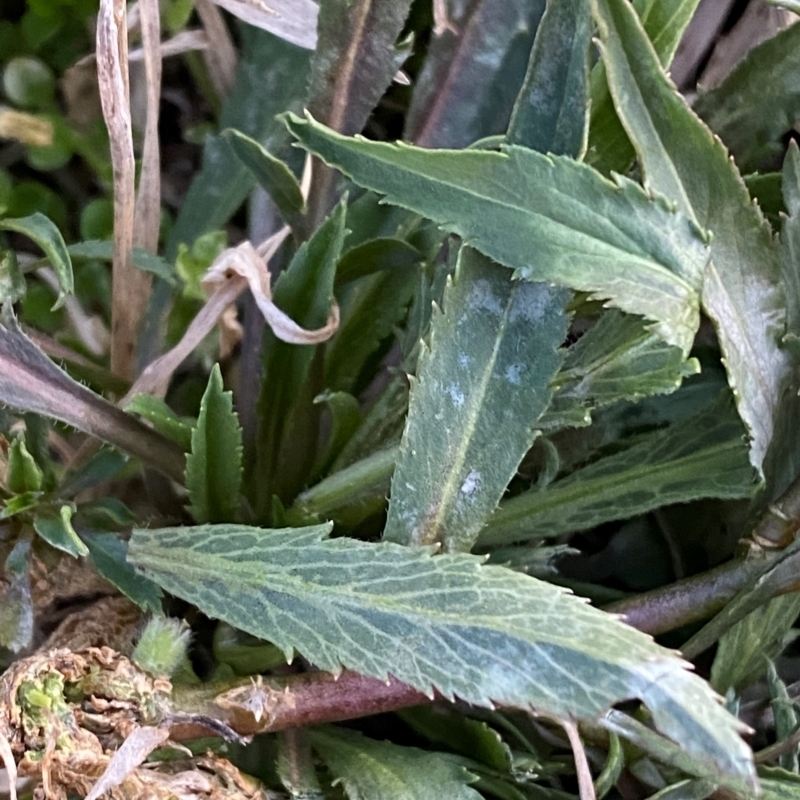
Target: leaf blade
214	466
484	633
701	457
550	114
42	231
372	770
682	160
480	390
550	218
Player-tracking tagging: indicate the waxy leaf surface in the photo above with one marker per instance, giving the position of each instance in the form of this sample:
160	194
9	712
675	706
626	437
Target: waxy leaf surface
550	112
702	457
372	770
481	388
682	160
549	218
485	634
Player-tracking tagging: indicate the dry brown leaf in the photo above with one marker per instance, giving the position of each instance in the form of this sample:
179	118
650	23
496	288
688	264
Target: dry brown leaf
147	218
112	75
26	128
232	272
292	20
221	58
183	42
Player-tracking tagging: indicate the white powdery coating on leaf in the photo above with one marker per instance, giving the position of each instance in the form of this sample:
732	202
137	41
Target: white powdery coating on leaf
483	298
514	373
471	482
456	395
531	302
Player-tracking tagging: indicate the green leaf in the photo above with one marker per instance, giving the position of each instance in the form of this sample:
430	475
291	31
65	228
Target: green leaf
790	248
695	789
701	457
371	311
765	189
668	751
42	231
19	504
758	102
276	73
374	255
355	60
103	466
616	359
191	263
789	5
777	783
550	218
470	78
480	391
744	649
58	532
683	161
372	770
551	111
664	21
16	603
12	281
109	556
350	495
275	178
486	634
787	717
287	436
772	576
214	467
451	729
24	474
346	416
162	418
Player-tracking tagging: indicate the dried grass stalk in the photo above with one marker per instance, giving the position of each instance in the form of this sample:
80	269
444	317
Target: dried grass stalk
221	58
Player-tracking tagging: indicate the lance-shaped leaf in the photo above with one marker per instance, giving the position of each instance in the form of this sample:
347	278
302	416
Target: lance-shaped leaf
550	112
790	247
616	359
759	102
30	381
481	389
485	634
549	218
702	457
39	228
287	433
682	160
472	71
355	60
664	21
273	71
385	771
214	467
275	178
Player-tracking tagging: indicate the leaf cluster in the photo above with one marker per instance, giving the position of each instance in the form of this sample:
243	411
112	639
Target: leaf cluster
564	366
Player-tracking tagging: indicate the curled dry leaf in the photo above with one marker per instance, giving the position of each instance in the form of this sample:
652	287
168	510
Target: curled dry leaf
233	271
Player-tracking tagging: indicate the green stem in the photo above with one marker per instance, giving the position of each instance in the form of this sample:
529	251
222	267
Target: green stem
361	481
